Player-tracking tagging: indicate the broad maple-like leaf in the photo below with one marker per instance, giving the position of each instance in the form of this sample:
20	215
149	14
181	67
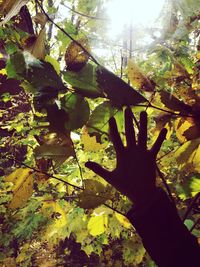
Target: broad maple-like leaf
90	143
187	128
115	89
97	225
95	194
22	180
183	154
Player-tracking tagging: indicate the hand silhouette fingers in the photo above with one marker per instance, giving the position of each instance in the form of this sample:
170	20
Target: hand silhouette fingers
142	136
129	129
115	137
95	167
158	143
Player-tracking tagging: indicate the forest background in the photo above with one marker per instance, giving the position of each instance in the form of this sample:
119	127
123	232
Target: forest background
62	76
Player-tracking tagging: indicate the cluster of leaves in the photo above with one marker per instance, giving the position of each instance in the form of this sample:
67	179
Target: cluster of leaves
56	100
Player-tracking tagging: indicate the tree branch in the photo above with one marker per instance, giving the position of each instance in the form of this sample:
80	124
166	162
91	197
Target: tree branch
47	174
83	15
190	207
67	34
115	210
194	225
165	184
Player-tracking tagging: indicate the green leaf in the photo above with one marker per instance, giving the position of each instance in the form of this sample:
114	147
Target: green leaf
188	223
99	118
58	153
77	109
54	63
95	194
114	88
133	250
84	81
38	73
55	116
11	48
189	188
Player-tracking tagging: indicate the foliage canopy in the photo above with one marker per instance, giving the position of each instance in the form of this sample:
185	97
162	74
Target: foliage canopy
56	97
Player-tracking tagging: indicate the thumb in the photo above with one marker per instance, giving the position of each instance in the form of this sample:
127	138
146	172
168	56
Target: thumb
95	167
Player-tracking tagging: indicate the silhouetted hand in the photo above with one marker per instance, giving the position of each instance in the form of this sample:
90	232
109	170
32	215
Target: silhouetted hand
135	172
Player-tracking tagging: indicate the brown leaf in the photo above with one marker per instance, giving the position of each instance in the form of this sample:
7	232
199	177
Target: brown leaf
187	129
138	78
173	103
95	194
41	19
37	48
11	8
161	120
75	57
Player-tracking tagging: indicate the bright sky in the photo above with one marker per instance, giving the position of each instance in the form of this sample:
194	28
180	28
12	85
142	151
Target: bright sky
126	12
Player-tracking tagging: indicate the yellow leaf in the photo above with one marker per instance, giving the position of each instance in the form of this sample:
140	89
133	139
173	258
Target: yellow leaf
3	71
22	180
62	220
23	253
181	125
55	230
183	154
123	220
137	77
11	8
90	143
97	225
195	159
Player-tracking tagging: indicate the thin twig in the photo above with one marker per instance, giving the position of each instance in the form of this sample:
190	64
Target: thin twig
114	209
67	34
136	122
190	207
195	224
165	184
79	166
164	110
83	15
47	174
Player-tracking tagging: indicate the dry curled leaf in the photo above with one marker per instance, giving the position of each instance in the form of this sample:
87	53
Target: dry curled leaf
75	57
10	8
138	79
